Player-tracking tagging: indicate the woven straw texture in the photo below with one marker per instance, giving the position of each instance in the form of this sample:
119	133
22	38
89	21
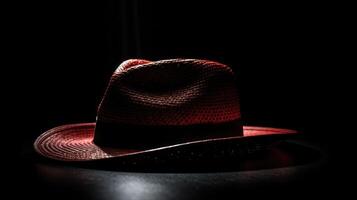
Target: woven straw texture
177	92
170	92
75	142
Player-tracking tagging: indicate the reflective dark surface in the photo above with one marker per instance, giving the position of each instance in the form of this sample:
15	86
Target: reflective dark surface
290	167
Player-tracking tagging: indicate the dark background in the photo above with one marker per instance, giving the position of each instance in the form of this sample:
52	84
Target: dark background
64	53
67	50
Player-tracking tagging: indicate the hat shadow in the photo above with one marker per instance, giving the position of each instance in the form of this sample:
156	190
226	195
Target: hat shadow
283	154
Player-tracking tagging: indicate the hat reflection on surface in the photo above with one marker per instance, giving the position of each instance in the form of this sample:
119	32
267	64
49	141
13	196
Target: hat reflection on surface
105	185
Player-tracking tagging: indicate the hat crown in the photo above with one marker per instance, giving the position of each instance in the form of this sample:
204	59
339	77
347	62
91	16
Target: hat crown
174	92
152	104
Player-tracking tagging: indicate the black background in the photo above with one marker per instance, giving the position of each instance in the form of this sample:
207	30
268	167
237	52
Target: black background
64	52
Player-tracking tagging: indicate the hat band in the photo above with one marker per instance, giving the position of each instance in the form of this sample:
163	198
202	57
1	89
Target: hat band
146	136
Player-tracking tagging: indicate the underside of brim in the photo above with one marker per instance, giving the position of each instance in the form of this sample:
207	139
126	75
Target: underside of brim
74	142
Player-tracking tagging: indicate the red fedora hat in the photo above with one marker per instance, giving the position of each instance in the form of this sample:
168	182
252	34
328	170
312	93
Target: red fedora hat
150	107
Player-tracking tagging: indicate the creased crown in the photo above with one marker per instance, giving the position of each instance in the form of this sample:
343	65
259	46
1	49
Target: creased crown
170	92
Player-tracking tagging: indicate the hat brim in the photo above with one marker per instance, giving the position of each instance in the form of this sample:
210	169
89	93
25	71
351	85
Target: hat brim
74	142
